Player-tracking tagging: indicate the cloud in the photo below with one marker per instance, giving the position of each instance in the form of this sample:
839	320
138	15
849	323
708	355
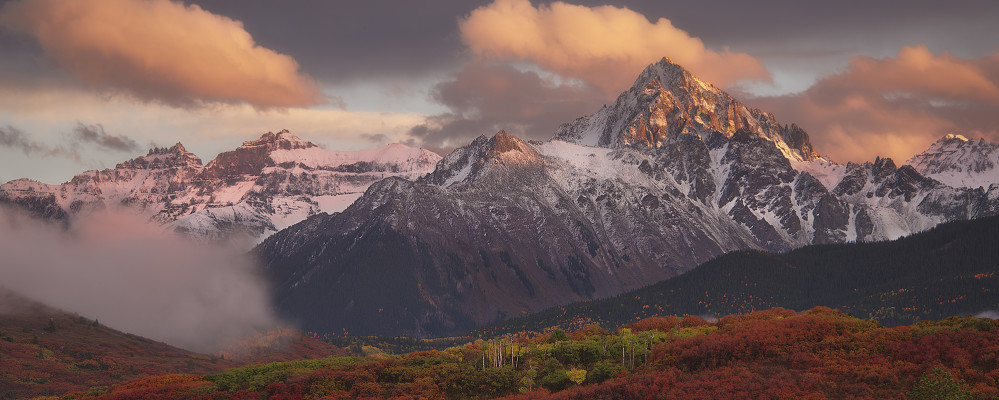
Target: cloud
16	139
370	41
484	98
96	135
990	314
895	106
136	278
160	50
605	46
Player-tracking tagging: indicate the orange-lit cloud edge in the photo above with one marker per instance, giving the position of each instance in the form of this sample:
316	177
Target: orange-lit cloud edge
895	106
604	46
159	50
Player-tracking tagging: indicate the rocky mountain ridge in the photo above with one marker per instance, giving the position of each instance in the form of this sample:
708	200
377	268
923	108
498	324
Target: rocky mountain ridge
260	187
956	161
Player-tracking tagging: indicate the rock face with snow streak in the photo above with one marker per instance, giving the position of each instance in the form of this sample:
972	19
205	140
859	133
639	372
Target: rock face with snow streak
260	187
674	173
956	161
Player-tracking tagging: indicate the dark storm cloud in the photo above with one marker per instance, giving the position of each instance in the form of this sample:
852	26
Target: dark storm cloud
855	23
13	138
485	98
341	41
95	134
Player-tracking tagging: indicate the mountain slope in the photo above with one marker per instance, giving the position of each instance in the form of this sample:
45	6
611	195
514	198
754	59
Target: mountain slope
46	351
948	270
261	187
956	161
673	174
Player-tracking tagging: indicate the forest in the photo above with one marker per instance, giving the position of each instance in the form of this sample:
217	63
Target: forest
952	269
772	354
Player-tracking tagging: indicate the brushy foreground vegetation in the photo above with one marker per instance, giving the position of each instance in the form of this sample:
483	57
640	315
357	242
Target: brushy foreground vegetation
778	354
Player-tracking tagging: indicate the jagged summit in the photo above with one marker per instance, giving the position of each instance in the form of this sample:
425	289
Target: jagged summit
283	140
176	148
671	76
959	162
163	157
467	163
510	147
667	101
254	155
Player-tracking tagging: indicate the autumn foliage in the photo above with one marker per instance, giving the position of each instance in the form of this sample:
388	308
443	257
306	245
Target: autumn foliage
773	354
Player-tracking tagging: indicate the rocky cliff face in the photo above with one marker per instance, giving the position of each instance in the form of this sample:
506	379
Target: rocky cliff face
674	173
262	186
958	162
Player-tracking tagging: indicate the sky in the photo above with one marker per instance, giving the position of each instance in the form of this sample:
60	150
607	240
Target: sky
86	85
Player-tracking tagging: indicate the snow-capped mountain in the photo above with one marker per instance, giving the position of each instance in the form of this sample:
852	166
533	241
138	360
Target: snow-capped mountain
261	187
674	173
956	161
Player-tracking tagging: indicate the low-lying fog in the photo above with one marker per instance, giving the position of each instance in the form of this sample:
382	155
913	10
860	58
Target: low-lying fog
133	276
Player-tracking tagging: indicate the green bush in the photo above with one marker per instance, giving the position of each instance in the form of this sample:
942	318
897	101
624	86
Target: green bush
600	372
938	384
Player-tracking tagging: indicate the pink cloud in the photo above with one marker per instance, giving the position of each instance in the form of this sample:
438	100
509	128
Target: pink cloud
160	50
604	46
895	106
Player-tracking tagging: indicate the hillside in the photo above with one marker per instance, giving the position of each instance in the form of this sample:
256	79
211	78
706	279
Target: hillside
773	354
952	269
45	351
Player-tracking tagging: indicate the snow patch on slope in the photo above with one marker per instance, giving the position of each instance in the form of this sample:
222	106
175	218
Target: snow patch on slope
958	162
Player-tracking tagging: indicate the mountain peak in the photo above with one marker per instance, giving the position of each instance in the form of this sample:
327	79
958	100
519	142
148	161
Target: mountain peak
177	148
503	142
664	68
283	140
957	161
953	136
673	78
667	100
253	155
163	157
465	164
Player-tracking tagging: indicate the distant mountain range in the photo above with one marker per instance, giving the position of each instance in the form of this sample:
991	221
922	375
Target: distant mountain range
675	173
253	191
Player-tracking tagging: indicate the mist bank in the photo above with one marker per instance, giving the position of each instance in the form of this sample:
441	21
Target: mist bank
135	277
